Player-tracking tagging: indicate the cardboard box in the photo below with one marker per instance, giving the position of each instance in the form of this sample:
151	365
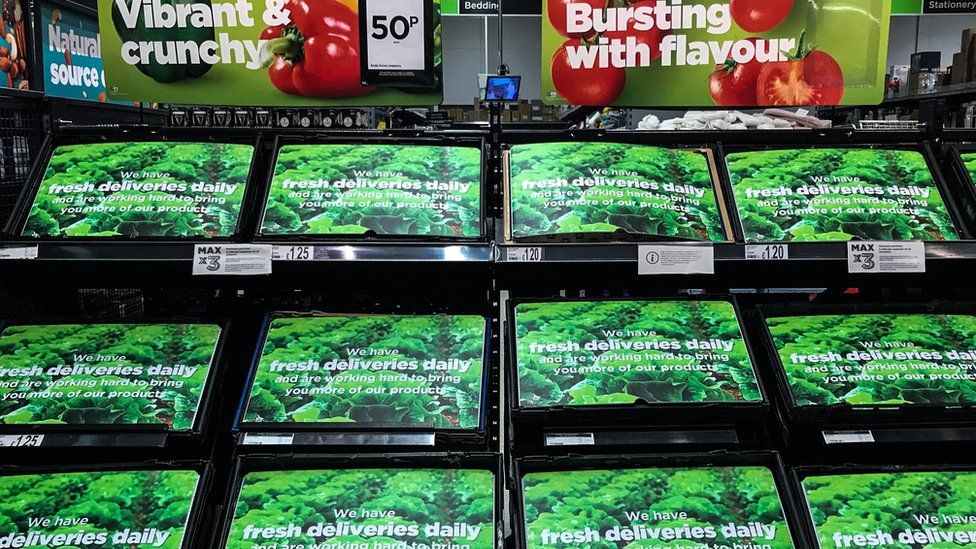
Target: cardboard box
968	37
961	68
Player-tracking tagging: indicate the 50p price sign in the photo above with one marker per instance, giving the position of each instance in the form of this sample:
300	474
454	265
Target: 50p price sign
397	42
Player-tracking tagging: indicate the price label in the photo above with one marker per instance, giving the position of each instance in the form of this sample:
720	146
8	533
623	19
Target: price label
395	35
232	259
524	254
570	439
21	441
264	439
848	437
768	252
19	252
885	257
675	259
293	253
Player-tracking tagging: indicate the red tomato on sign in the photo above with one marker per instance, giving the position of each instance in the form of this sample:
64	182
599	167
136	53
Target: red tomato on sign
556	10
734	84
591	87
815	79
760	15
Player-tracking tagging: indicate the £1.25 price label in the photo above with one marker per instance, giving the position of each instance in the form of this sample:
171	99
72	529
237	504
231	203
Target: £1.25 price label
21	441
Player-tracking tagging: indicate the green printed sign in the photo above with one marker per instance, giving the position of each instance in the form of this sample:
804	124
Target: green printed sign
141	189
387	190
371	370
611	188
654	508
374	508
878	359
104	510
100	374
969	159
903	510
825	194
579	353
729	53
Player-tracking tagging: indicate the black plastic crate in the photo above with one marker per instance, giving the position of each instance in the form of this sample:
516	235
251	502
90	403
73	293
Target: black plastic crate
21	133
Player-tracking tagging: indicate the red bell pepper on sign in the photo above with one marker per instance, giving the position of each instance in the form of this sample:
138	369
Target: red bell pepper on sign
317	54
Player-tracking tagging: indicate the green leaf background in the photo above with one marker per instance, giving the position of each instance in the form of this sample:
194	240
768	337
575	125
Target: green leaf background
112	502
416	496
648	215
285	214
817	334
791	168
711	496
416	337
865	503
143	345
98	163
555	322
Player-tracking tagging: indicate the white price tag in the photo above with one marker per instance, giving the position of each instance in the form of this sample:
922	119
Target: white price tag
21	441
524	254
675	259
768	252
570	439
232	259
19	252
848	437
885	257
293	253
395	35
264	439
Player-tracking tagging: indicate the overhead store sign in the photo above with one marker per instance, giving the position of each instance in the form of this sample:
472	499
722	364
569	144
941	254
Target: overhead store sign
72	54
714	52
490	7
279	52
916	7
948	6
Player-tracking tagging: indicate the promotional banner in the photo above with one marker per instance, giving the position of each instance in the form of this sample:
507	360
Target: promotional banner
141	189
836	195
373	370
375	508
913	510
579	353
577	189
15	51
387	190
655	508
71	54
103	510
658	53
95	374
269	52
878	359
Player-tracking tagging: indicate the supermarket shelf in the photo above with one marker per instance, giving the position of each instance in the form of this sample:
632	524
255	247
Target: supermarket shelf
126	264
563	265
810	264
824	136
